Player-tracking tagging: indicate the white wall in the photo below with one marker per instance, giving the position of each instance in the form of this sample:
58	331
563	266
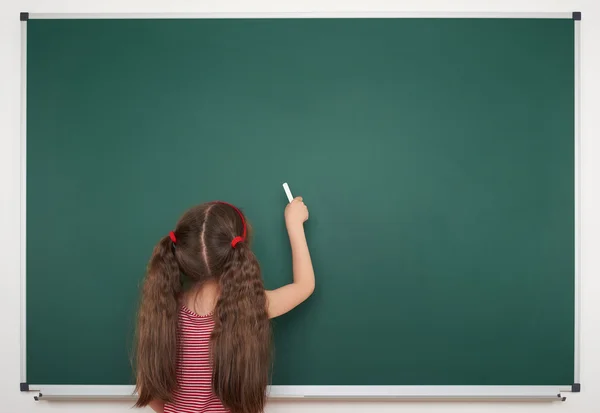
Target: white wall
12	400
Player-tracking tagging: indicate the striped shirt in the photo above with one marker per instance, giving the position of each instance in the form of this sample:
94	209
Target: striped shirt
194	373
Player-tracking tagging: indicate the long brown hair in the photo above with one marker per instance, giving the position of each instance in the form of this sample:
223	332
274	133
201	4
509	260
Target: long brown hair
241	339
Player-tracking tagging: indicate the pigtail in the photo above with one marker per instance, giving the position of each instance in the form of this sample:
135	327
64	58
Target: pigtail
241	339
156	353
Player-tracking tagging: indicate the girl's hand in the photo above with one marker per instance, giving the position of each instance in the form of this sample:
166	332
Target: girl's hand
296	213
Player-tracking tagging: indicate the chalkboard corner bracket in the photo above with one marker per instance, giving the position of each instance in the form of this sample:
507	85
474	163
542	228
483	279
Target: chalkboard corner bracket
576	15
576	387
24	386
24	16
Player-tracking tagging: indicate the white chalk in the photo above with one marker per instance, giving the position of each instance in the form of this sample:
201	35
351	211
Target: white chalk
286	188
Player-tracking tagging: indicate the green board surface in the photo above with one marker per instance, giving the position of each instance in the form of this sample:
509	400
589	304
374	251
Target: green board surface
436	157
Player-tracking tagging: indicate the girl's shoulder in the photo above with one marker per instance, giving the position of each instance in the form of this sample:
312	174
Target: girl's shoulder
185	310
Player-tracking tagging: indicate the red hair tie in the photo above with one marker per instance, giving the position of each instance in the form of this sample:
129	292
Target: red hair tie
173	237
242	238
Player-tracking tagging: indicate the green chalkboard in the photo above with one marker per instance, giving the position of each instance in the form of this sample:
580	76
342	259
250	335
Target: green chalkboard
436	157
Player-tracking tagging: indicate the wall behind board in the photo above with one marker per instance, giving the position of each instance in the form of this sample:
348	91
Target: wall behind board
12	400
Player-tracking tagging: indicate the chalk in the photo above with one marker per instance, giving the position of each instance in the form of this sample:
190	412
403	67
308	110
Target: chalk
286	188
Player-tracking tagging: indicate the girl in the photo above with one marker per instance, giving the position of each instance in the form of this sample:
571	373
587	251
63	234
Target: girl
207	348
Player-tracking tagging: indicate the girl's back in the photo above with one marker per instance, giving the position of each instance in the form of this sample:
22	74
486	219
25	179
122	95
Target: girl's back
194	372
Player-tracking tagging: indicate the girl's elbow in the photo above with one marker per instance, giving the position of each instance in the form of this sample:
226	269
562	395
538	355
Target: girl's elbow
310	289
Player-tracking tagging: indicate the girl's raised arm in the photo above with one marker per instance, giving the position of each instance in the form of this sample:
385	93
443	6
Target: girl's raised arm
284	299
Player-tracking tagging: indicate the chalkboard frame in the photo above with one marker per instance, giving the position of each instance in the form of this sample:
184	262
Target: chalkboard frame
546	393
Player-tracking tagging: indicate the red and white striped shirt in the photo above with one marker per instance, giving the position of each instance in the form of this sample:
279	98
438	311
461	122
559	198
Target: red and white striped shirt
194	373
